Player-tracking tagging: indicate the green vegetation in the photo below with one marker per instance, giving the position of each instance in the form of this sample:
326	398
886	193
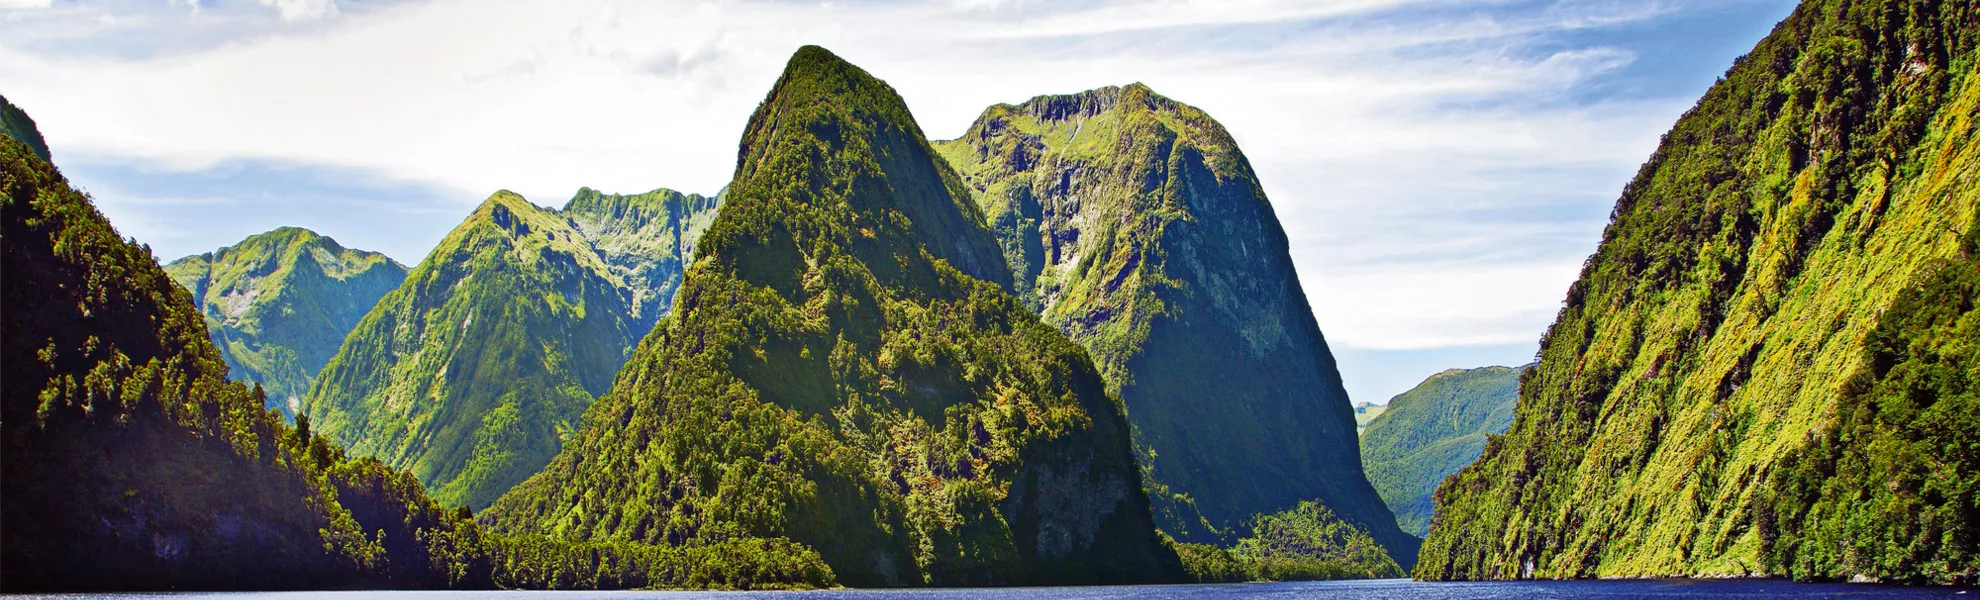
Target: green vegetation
1304	543
474	370
14	123
1365	412
1431	431
844	368
1746	379
1888	489
280	303
133	464
1135	226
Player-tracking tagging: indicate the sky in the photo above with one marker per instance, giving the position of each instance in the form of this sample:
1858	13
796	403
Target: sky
1442	168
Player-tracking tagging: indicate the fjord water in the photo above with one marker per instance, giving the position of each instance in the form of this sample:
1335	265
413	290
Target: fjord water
1382	589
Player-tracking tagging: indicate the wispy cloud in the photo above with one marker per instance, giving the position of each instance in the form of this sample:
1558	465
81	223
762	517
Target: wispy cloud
1439	165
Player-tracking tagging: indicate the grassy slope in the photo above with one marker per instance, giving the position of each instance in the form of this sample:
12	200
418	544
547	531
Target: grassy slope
1136	226
1431	431
844	367
1729	300
471	373
280	303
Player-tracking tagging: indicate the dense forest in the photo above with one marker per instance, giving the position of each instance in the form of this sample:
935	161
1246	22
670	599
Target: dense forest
1431	431
280	303
133	464
1762	368
1067	348
1135	225
471	373
843	366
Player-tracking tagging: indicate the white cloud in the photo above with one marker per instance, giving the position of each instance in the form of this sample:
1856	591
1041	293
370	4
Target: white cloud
297	10
1439	305
23	4
1436	184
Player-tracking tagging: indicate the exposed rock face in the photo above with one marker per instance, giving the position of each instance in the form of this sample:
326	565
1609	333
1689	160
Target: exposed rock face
1134	224
846	368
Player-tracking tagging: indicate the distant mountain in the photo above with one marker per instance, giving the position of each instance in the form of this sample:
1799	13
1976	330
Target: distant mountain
278	304
132	464
1365	412
1431	431
16	124
1135	225
1768	365
845	367
472	372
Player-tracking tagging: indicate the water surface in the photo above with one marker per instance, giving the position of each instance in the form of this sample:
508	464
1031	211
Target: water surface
1325	590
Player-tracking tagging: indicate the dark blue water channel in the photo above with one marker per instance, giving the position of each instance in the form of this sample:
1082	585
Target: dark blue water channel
1376	590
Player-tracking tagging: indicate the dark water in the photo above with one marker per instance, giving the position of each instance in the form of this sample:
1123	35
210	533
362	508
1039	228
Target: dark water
1377	590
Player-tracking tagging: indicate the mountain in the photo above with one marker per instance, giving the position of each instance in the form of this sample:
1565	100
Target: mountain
845	367
132	463
1365	412
471	373
16	124
278	304
1135	225
1431	431
1762	368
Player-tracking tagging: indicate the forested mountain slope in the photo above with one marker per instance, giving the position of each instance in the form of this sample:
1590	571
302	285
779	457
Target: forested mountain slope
1431	431
16	124
472	371
1135	225
845	367
133	464
1744	379
279	304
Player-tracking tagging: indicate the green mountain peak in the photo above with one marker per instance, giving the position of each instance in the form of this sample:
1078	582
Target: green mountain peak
278	304
839	371
1135	225
865	123
472	372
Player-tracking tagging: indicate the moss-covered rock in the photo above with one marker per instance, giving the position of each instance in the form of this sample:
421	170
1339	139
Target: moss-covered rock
471	373
845	367
1720	323
1134	224
280	303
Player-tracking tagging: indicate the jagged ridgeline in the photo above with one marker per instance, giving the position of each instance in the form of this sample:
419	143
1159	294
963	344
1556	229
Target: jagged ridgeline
1431	431
1135	225
132	463
844	367
1766	366
471	373
278	304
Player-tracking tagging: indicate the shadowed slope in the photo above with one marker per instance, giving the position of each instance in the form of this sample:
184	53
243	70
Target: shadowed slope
1136	226
845	367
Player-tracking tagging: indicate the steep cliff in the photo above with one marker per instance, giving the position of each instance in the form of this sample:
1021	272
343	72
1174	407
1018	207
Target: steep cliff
845	367
1135	225
1730	318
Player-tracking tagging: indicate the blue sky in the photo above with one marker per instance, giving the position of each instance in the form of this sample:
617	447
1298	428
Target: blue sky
1442	168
